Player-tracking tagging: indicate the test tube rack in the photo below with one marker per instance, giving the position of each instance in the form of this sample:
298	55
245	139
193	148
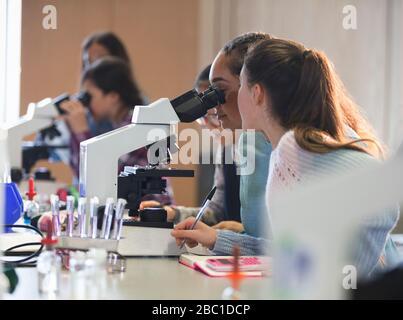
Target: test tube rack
87	243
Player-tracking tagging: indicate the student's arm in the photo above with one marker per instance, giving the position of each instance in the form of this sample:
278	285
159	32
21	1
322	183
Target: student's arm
76	120
371	242
220	242
75	140
249	246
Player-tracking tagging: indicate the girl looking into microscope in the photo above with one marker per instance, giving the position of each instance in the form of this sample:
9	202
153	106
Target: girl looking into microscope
114	93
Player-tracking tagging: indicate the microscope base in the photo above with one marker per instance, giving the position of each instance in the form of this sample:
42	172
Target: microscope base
147	241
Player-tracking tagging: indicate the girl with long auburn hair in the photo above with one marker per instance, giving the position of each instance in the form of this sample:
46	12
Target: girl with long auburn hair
295	97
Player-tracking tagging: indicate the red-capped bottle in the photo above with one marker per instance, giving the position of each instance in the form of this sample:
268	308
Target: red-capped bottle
31	207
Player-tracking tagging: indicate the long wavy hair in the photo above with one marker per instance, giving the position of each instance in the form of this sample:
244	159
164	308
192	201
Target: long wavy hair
308	97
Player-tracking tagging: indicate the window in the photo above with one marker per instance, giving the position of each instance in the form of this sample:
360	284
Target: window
10	59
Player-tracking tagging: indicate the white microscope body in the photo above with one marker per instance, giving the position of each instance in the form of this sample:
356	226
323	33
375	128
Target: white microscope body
99	176
99	161
99	155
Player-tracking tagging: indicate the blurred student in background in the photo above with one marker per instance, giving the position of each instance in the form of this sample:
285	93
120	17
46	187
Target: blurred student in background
114	93
94	47
103	44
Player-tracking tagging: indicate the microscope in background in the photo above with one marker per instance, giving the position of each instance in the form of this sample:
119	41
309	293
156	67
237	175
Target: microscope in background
40	118
152	126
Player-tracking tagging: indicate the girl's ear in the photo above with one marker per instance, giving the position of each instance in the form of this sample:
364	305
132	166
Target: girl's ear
114	96
258	94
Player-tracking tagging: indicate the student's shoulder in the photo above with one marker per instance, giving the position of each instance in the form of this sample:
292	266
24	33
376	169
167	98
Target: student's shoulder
289	149
288	146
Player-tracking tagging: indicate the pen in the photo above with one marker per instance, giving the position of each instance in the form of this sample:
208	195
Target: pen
54	203
81	209
70	215
117	229
108	213
201	212
94	202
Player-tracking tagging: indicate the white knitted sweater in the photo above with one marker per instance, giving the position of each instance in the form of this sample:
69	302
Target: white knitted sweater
291	165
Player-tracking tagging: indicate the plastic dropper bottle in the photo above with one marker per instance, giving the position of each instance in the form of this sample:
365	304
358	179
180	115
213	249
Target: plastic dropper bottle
31	207
49	265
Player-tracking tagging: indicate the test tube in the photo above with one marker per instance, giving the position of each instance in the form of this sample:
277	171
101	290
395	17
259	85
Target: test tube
108	213
82	203
94	202
70	215
117	229
109	222
54	203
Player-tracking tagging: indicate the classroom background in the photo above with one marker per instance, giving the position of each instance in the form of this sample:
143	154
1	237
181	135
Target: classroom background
169	42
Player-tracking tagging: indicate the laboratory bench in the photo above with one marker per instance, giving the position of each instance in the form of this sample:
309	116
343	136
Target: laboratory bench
149	278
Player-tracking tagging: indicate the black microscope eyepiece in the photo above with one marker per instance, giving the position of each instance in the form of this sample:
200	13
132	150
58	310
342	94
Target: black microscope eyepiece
193	105
83	96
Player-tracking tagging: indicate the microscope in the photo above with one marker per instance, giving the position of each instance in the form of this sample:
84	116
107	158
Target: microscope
152	126
39	118
39	115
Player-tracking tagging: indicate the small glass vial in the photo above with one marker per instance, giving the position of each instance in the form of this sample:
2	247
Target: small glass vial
96	269
231	293
78	275
49	266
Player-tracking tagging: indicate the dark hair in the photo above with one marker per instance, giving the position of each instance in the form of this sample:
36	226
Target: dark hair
109	41
112	74
203	76
308	97
237	49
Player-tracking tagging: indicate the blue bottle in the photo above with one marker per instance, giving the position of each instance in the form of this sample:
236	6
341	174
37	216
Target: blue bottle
14	205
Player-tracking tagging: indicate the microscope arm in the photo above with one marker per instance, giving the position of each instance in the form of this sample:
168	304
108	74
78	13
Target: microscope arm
38	116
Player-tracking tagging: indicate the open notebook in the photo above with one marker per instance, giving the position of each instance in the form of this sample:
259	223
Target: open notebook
199	263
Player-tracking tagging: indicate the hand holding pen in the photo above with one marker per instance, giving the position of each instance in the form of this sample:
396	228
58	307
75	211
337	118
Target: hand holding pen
201	233
193	231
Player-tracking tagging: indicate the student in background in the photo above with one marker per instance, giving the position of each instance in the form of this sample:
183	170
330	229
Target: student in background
103	44
295	97
113	93
96	46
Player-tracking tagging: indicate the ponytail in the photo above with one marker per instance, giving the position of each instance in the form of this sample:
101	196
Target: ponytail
308	97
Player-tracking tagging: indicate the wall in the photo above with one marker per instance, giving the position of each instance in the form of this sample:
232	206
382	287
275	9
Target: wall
368	59
161	37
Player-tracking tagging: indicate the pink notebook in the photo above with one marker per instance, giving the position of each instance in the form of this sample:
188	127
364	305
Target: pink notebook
199	263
